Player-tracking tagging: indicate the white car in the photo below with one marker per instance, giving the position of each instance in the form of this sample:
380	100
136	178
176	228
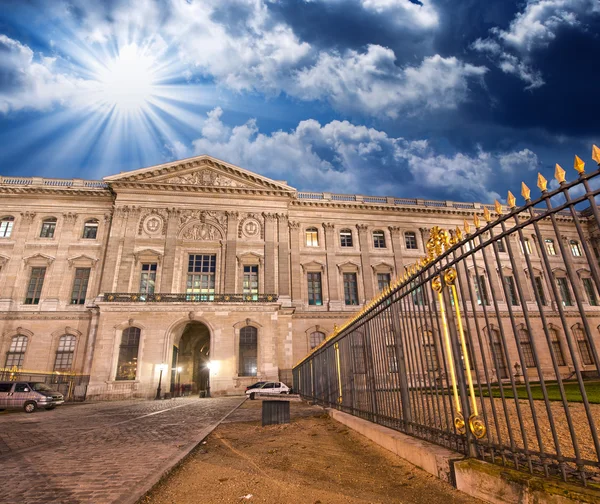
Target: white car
269	388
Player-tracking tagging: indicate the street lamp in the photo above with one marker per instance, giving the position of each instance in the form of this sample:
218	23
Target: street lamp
179	369
161	368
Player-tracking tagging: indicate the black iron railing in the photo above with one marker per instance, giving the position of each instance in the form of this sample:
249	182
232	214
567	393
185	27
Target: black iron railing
137	297
489	345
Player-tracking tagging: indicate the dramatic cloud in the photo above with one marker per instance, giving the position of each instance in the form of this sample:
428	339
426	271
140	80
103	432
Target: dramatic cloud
524	160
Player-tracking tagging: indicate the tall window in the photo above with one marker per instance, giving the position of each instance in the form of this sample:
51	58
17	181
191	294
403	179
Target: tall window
128	354
419	297
584	345
429	351
90	229
501	245
498	356
80	285
148	278
312	237
512	291
590	291
526	346
250	287
48	228
575	248
248	351
350	289
314	289
34	289
316	338
64	353
550	248
346	238
16	352
481	291
558	352
201	277
410	240
6	225
378	239
383	280
565	293
526	246
539	286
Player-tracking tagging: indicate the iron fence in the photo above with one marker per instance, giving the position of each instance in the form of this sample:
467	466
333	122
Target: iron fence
489	345
72	386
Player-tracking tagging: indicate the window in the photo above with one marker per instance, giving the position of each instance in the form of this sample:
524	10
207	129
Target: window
80	285
565	293
575	248
128	353
512	292
550	248
378	239
501	245
316	338
64	353
526	246
350	289
429	351
90	230
16	352
539	286
526	346
481	291
314	289
410	239
148	278
557	348
590	292
48	228
346	238
250	286
312	237
201	277
383	280
6	225
419	297
584	346
248	351
36	281
498	355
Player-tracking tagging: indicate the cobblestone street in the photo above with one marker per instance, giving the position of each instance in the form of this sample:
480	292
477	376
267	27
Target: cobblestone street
100	453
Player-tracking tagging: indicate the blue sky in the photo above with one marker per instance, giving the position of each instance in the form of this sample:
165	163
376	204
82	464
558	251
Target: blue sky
444	99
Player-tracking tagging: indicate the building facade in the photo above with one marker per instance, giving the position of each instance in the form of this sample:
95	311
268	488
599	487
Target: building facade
221	277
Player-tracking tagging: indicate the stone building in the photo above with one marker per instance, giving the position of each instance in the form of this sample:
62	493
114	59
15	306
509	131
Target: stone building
230	276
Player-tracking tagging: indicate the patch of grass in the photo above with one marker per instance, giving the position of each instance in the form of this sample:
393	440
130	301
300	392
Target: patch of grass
572	391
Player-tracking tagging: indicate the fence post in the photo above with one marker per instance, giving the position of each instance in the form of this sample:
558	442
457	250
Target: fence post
402	370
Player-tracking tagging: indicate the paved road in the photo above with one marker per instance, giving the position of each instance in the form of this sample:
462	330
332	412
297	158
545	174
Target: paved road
99	453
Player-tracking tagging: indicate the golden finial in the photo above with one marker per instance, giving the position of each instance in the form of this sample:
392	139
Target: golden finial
596	154
476	221
542	183
525	191
486	214
498	207
579	165
511	201
458	234
559	174
467	227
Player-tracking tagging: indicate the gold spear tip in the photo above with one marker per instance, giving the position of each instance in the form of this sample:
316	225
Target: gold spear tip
559	174
498	207
476	221
596	154
486	214
542	183
467	227
511	201
525	191
579	165
458	234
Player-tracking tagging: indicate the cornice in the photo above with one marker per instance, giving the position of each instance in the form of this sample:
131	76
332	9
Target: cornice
247	191
63	191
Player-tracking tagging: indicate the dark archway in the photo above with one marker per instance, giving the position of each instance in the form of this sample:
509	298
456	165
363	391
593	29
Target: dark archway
193	356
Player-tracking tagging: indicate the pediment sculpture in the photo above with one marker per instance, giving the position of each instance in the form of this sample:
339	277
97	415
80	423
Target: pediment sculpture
204	178
201	232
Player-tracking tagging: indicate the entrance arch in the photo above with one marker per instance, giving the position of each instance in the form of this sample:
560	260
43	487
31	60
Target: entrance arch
191	354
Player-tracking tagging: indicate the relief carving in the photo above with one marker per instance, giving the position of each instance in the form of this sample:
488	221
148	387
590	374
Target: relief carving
204	178
202	215
153	222
202	232
251	227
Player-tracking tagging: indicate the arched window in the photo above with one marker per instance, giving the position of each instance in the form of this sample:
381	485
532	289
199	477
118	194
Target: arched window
583	344
316	338
64	353
346	238
312	237
429	351
90	229
554	339
498	355
48	227
378	239
6	225
128	354
248	351
16	352
527	347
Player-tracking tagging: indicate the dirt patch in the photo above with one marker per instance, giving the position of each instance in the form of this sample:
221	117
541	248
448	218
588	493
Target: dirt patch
311	460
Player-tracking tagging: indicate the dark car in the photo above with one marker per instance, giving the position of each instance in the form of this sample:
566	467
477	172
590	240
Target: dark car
255	385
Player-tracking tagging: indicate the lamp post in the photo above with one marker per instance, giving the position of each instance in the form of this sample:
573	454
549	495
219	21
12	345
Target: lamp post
179	369
161	368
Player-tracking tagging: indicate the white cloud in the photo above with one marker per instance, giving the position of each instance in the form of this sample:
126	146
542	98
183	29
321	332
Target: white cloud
518	161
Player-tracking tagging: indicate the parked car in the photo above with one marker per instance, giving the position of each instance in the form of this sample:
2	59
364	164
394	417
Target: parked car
29	396
269	388
255	385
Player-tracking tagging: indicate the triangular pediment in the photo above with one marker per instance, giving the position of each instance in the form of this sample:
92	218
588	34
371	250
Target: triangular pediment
201	172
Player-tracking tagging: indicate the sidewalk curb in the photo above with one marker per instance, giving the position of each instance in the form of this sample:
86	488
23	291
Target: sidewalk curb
139	491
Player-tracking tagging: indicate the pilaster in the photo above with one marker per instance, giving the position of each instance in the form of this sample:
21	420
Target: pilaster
168	266
231	251
128	244
269	285
283	255
365	259
396	237
295	262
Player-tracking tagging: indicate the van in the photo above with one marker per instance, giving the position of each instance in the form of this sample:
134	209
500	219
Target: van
28	396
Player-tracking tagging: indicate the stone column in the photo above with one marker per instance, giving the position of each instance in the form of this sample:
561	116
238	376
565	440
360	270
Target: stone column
365	260
397	248
295	262
283	255
168	264
60	282
231	251
113	242
128	245
269	286
332	270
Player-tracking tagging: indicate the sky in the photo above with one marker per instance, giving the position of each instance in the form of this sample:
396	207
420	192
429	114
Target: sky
443	99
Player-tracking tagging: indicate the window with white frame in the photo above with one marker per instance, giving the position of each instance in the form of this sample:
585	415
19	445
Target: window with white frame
526	246
312	237
48	227
90	229
575	248
201	277
16	352
550	247
36	282
148	278
250	284
565	293
378	239
316	337
80	285
346	238
410	240
64	353
6	226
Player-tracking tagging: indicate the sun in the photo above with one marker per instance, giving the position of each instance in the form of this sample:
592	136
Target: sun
127	82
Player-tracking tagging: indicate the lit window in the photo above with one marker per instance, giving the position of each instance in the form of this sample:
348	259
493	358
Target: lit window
90	230
314	289
148	278
378	239
16	352
248	351
346	238
6	225
80	285
64	354
250	286
575	248
316	338
201	277
565	293
128	354
48	228
312	237
410	239
550	248
526	246
590	291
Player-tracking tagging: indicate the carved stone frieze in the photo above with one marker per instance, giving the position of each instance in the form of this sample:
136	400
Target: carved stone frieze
294	225
187	216
204	177
202	232
251	227
70	217
153	222
28	216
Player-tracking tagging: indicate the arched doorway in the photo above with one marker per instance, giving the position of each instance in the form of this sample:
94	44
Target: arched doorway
192	356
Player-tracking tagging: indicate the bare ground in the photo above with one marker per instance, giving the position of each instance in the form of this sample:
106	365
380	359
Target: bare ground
311	460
